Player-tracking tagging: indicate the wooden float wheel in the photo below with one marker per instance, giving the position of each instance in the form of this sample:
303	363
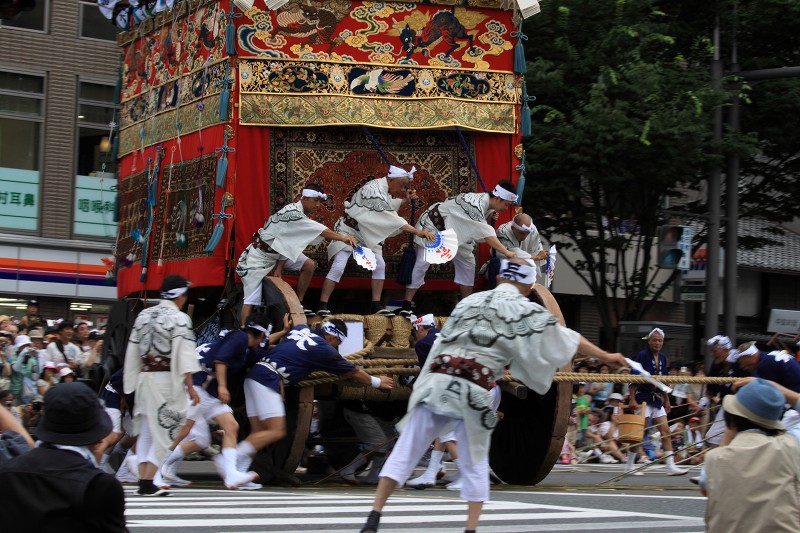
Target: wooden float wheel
281	459
528	440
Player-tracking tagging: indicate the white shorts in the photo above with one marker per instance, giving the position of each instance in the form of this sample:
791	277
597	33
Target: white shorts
208	408
116	419
295	266
653	412
261	401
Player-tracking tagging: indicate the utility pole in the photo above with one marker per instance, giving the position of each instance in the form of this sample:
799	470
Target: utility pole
732	197
714	210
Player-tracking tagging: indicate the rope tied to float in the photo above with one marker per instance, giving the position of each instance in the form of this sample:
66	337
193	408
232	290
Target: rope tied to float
321	377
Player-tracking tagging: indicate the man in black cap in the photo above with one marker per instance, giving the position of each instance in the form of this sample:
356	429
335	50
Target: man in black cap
159	364
57	487
32	317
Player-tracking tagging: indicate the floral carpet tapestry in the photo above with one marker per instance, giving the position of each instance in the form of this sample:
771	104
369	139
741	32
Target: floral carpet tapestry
343	160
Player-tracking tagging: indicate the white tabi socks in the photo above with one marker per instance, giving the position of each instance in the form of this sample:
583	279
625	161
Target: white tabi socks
428	478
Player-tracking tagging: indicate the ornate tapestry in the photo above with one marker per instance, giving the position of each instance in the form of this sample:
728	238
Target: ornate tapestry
171	77
187	194
384	64
132	214
342	160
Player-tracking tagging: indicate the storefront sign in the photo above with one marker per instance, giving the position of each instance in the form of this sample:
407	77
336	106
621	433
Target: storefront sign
19	199
95	197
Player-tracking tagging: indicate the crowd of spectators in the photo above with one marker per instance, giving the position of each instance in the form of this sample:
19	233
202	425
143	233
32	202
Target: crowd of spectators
36	354
593	433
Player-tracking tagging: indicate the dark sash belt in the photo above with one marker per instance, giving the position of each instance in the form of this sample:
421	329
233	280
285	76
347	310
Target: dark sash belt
436	218
468	369
155	363
261	245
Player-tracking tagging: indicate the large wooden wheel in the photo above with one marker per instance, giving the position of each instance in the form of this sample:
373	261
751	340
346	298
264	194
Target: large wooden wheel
528	441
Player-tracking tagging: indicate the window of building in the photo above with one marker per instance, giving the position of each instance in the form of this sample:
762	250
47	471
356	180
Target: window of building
94	25
33	20
96	183
21	117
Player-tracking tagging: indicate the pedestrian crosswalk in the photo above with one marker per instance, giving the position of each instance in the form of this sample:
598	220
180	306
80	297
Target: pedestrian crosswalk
195	510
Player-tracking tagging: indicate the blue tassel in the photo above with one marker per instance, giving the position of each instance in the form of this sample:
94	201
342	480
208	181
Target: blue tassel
520	66
219	229
222	169
520	187
222	162
224	102
216	236
525	113
230	34
492	271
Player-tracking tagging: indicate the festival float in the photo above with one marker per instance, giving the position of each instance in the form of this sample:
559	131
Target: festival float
227	109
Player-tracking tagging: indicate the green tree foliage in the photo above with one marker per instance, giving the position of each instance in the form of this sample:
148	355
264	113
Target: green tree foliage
622	121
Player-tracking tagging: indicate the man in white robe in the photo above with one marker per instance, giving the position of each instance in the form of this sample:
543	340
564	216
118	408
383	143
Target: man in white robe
159	363
522	233
467	215
371	217
486	333
280	244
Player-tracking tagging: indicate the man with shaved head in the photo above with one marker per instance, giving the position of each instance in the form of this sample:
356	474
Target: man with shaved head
486	333
522	233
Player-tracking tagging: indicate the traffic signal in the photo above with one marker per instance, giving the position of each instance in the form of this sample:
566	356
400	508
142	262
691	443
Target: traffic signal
669	254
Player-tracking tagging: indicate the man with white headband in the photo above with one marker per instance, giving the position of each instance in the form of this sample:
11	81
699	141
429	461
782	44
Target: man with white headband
370	217
467	214
222	363
721	348
159	363
522	233
486	333
779	366
655	362
279	245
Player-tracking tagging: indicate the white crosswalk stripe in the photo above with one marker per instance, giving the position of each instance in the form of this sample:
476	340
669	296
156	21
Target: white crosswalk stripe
221	510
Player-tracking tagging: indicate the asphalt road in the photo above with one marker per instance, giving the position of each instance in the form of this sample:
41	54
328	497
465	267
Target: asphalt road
570	499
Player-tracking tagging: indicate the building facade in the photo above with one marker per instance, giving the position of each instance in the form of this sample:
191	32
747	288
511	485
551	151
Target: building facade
58	73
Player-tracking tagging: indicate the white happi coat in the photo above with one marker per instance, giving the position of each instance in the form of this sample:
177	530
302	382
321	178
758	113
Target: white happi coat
288	232
165	332
531	244
375	210
496	328
465	213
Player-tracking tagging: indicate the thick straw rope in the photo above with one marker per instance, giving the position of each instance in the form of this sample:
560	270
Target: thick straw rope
319	378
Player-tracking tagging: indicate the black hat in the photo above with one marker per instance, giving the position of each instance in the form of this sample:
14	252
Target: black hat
72	416
33	301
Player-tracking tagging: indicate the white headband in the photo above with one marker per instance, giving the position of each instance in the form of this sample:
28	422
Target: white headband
655	330
174	293
520	227
720	341
423	321
524	274
253	325
397	172
734	355
311	193
504	194
331	329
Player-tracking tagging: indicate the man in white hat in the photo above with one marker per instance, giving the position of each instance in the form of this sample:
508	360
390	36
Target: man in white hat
370	217
467	214
159	364
752	482
486	333
279	245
